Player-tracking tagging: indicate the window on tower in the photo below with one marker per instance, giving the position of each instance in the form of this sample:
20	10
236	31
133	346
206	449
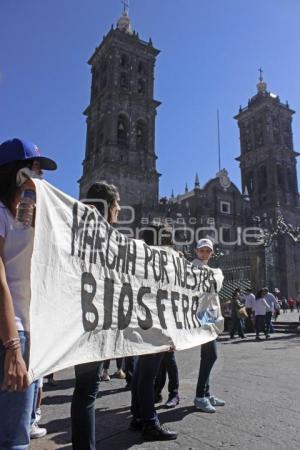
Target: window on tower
124	61
123	81
250	182
140	134
123	130
141	68
263	179
290	180
141	87
279	175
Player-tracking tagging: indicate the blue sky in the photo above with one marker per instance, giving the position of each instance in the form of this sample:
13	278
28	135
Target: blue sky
210	54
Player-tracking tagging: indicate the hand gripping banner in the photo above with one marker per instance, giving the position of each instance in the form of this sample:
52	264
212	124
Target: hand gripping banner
96	294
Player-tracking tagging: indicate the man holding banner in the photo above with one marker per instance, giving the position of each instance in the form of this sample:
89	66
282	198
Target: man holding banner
104	197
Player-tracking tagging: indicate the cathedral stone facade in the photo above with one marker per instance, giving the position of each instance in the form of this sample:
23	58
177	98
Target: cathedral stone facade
120	148
121	117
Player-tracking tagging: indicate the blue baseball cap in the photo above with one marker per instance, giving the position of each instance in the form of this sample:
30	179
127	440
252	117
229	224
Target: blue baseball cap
20	150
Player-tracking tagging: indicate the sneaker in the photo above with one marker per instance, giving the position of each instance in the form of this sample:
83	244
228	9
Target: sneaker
172	401
105	376
38	415
258	338
157	432
120	374
267	336
215	401
36	432
136	424
204	404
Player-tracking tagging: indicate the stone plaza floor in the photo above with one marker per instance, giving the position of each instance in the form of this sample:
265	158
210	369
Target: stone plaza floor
260	382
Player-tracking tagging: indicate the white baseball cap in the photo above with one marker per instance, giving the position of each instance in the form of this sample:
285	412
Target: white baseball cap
205	243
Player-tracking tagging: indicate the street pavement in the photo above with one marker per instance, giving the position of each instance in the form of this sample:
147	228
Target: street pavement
260	382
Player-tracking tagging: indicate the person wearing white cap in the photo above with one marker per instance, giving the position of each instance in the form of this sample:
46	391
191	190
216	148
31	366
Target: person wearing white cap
204	401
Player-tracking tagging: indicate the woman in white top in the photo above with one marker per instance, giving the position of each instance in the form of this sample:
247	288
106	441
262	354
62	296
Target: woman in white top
16	396
260	308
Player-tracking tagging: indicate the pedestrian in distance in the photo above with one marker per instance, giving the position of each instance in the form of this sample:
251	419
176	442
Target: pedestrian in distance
272	303
236	320
249	305
261	307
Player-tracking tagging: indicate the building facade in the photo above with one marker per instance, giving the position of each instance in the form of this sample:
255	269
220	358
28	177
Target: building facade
120	148
121	117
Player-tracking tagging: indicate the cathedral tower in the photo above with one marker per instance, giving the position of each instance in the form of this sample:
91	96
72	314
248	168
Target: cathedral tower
267	159
121	117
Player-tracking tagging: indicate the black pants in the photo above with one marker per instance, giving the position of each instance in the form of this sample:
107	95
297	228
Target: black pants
142	389
208	358
167	366
119	363
87	382
129	366
260	324
248	321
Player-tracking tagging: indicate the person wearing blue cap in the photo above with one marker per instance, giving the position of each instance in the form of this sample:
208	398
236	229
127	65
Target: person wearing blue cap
16	244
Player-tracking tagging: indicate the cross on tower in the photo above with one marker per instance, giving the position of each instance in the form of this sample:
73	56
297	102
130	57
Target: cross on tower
125	5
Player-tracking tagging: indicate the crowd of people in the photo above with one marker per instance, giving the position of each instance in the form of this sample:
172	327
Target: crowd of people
145	375
251	312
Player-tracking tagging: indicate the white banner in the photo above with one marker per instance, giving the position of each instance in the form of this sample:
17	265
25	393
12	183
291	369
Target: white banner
95	294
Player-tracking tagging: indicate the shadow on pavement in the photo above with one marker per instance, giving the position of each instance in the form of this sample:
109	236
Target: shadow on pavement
248	338
61	385
61	398
112	428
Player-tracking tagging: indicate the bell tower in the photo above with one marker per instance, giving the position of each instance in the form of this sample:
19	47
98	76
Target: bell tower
267	159
121	117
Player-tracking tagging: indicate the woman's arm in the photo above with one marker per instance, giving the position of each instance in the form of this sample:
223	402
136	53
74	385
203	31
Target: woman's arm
15	372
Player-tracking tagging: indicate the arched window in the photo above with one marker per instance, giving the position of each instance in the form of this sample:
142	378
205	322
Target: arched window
279	175
123	81
263	179
141	86
123	130
141	68
140	134
290	180
250	182
124	61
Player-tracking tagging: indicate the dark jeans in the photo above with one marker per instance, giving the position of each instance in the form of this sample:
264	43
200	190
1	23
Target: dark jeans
129	366
237	325
119	363
142	389
87	381
167	366
268	322
248	321
208	358
259	324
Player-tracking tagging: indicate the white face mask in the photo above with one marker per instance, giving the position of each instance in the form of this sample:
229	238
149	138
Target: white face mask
25	174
